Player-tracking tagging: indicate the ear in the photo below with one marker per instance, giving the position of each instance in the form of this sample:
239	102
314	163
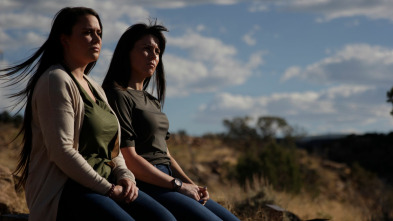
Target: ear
64	40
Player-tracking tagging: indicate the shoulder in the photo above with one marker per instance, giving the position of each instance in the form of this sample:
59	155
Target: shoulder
55	77
119	96
116	93
57	72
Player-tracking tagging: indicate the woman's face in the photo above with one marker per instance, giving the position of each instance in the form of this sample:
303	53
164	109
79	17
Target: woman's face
84	44
145	57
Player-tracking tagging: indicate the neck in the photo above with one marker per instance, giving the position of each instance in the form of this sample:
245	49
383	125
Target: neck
136	85
76	69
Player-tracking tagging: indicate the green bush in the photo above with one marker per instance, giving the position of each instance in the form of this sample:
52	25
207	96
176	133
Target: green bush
276	164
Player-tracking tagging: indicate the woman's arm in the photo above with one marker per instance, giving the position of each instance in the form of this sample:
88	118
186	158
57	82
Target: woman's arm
177	171
146	172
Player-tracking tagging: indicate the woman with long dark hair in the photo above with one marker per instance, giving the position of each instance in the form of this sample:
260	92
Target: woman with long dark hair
137	58
71	165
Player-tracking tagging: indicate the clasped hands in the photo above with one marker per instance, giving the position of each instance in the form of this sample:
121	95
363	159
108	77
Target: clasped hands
125	191
198	193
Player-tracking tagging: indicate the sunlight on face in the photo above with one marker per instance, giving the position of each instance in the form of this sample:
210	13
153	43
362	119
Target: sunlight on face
145	57
84	44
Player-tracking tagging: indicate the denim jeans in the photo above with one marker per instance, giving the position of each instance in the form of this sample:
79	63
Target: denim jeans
80	203
182	206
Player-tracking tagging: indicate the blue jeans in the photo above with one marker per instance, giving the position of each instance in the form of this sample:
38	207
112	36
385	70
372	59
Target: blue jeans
80	203
184	207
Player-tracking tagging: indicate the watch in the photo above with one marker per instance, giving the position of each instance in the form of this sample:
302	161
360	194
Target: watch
177	183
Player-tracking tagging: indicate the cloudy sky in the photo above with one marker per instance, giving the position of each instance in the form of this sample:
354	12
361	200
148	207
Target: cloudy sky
323	65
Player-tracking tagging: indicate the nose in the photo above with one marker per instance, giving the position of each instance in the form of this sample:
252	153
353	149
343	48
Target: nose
153	55
96	38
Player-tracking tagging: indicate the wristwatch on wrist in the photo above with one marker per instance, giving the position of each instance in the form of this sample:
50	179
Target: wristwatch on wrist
177	183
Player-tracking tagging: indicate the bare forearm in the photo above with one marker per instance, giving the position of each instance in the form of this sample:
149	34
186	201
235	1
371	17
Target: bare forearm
178	171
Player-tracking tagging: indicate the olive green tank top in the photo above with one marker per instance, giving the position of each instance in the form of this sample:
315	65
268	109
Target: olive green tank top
98	133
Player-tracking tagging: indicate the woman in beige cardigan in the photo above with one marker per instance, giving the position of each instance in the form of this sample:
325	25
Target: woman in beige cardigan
71	165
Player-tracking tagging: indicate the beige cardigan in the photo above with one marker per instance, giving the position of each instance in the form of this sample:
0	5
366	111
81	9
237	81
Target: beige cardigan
57	117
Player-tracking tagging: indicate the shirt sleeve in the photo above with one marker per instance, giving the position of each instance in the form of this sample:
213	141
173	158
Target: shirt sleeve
123	106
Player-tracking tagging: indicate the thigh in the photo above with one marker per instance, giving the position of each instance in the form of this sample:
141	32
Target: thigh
147	208
79	203
181	206
220	211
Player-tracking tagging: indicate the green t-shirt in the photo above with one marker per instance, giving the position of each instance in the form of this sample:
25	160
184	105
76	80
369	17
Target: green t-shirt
98	133
143	125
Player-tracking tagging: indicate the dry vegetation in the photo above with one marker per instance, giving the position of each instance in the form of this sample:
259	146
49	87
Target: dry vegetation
209	161
333	196
9	152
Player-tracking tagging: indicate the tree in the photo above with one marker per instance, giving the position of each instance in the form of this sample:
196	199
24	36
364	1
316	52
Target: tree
238	129
270	126
5	117
390	98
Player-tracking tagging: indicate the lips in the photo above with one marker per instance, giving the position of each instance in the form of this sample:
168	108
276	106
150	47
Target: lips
95	48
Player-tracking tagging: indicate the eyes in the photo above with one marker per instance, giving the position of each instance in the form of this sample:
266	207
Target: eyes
152	48
92	31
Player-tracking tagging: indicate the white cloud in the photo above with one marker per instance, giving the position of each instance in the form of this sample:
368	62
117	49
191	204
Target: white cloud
358	64
34	17
259	7
332	9
249	38
327	10
335	109
209	66
356	79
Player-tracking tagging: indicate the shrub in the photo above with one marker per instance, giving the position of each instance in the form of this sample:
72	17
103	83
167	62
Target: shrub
277	164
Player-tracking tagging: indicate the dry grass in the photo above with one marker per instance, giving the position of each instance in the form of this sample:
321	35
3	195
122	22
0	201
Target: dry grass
9	151
334	199
9	154
207	161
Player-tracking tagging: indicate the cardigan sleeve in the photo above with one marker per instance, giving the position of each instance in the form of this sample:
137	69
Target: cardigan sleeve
57	102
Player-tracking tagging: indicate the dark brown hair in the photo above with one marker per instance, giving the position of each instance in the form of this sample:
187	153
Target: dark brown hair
119	71
50	53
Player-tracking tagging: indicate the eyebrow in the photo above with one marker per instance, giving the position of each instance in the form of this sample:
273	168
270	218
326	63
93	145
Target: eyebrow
152	45
91	28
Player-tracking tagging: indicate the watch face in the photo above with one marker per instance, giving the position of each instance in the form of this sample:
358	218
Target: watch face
178	182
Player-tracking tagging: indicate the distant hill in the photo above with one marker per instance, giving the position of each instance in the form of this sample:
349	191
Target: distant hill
372	151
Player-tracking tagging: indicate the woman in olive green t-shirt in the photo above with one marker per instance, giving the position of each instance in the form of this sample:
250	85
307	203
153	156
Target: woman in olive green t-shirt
137	58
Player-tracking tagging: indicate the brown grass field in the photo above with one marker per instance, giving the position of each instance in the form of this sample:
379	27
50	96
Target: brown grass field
206	162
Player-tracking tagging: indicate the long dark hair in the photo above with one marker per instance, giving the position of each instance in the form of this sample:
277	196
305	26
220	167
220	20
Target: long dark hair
50	53
119	71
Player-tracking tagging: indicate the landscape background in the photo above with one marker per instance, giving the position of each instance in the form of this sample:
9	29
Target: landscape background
258	176
323	65
270	102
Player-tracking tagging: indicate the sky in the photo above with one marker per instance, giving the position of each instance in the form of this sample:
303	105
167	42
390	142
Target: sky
323	65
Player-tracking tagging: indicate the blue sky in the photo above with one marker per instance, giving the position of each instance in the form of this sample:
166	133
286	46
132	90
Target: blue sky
323	65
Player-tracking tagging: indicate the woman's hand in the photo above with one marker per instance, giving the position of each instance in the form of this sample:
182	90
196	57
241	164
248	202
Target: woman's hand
190	190
117	195
130	190
204	195
126	191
